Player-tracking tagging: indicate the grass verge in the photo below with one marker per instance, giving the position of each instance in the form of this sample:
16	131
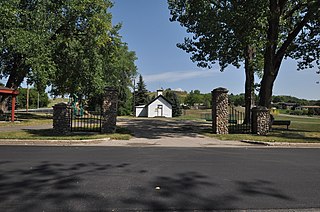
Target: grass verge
28	119
274	136
49	134
301	130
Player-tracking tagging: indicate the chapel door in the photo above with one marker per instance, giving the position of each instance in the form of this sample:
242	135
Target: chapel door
160	110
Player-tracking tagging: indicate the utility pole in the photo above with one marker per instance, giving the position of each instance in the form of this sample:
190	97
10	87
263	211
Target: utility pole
38	105
134	97
27	104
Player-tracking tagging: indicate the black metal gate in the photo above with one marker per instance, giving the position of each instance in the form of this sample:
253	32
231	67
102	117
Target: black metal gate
85	121
237	123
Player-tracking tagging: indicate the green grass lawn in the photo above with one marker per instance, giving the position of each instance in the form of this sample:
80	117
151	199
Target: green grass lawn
302	129
192	114
34	119
301	123
26	119
49	134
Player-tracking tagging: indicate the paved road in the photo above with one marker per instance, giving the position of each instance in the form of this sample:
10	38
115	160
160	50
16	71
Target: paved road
119	178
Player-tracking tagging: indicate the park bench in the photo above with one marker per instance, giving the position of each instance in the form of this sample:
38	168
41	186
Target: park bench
281	122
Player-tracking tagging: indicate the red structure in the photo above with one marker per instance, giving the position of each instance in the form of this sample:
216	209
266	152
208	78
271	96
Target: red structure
13	93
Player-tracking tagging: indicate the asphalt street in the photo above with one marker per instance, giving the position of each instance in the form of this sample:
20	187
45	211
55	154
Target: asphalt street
167	179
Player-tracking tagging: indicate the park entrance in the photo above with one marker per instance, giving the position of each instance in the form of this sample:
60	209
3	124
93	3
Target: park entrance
226	119
85	121
76	116
236	121
81	119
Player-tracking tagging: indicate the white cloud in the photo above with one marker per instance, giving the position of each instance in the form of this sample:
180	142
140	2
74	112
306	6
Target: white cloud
178	76
178	89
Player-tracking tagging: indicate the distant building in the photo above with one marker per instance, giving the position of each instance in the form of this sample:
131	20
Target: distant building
285	105
312	110
158	107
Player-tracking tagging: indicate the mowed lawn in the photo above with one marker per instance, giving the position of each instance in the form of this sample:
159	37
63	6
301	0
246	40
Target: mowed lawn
301	123
303	129
28	127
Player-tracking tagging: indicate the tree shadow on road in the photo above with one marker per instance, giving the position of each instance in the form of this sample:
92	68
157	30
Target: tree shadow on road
73	187
52	186
193	191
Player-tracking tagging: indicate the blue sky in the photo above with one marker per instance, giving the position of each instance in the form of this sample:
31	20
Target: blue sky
147	30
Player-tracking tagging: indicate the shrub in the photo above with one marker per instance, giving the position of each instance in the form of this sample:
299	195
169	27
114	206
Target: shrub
296	112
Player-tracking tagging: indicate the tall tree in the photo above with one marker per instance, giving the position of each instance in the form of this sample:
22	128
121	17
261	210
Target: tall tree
194	97
67	44
25	48
34	96
225	31
141	95
173	98
293	31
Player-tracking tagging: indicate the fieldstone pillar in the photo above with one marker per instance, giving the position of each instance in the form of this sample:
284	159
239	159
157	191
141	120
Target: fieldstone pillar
260	120
220	113
109	110
61	119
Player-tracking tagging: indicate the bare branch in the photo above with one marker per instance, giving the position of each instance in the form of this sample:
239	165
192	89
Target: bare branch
281	52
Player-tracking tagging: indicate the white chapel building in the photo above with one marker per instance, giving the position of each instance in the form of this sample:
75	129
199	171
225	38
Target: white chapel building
158	107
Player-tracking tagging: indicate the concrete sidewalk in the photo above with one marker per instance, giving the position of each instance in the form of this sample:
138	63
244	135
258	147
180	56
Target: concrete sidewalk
187	142
135	142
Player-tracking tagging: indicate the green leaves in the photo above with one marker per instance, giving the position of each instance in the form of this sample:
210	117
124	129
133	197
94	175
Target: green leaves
174	99
220	30
71	45
141	95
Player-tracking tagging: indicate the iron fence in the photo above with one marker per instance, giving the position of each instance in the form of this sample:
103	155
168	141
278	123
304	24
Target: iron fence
88	121
237	122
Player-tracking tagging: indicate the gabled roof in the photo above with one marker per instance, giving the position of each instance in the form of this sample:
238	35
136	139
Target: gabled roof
158	98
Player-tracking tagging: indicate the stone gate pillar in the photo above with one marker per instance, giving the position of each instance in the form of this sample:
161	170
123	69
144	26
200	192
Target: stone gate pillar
61	119
109	110
220	113
260	120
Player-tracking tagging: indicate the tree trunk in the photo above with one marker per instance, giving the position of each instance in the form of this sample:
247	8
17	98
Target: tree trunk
17	75
265	95
271	67
3	103
249	84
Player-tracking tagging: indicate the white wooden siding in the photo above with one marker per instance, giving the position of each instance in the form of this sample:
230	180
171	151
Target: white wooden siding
166	108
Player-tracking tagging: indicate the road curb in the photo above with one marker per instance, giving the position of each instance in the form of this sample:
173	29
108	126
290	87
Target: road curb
16	142
283	144
256	142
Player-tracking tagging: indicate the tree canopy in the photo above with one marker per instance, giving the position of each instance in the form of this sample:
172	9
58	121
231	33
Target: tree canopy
257	32
174	99
141	94
293	31
70	45
216	33
218	36
34	96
